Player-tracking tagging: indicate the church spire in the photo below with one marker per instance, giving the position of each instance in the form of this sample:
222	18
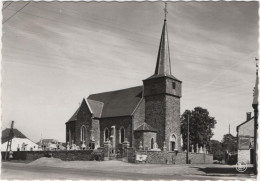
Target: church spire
163	65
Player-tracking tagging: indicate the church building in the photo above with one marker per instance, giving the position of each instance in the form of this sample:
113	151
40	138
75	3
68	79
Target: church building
145	115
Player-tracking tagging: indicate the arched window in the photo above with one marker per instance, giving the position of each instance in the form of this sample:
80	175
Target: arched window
83	133
122	135
152	143
106	134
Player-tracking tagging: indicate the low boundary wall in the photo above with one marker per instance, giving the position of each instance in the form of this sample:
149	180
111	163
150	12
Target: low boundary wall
166	157
72	155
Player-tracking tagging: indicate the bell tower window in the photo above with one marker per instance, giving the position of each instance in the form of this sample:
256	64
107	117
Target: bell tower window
173	85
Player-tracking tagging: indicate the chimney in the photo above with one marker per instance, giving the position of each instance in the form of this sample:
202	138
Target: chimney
248	116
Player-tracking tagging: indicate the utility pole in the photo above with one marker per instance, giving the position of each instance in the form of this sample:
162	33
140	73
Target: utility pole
229	129
9	142
188	140
255	107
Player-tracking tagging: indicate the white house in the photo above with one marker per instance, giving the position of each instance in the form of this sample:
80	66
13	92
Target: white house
19	142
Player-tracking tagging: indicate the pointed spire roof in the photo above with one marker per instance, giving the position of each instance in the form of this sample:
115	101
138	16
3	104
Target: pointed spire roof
163	64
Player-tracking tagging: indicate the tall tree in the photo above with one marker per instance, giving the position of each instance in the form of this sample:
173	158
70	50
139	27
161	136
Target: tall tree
201	125
229	143
215	148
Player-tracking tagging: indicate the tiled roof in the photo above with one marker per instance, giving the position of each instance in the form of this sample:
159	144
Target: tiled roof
74	116
96	107
5	134
119	102
146	128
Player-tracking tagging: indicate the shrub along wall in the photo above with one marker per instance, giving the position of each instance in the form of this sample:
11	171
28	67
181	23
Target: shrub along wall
72	155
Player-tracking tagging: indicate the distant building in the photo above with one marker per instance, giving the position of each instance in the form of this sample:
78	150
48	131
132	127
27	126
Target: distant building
147	115
50	144
19	142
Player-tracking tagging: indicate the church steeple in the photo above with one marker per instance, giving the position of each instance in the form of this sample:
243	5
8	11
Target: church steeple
163	64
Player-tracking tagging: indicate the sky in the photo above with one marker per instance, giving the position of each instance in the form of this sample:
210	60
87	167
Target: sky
57	53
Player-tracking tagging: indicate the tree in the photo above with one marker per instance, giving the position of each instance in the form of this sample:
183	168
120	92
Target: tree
215	148
229	143
201	125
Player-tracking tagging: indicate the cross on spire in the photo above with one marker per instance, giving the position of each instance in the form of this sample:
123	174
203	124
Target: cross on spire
165	11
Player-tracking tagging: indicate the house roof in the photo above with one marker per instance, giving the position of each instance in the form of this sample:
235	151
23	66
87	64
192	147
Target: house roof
5	134
146	128
244	123
118	103
74	116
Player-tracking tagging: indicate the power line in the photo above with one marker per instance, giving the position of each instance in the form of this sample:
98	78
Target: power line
16	12
7	5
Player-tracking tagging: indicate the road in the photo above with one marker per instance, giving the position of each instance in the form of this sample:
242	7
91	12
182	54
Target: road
21	171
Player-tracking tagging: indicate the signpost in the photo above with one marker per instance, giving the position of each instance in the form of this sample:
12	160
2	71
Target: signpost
188	140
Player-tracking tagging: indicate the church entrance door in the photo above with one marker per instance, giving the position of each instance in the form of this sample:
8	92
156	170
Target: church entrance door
172	145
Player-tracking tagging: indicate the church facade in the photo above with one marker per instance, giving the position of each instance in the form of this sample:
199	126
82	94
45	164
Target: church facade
145	116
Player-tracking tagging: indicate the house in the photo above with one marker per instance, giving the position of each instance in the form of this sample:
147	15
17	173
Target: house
19	142
247	132
147	115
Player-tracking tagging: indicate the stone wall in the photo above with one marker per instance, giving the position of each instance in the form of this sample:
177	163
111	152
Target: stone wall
159	157
147	137
83	118
166	157
243	155
73	155
96	131
173	123
139	115
155	116
119	122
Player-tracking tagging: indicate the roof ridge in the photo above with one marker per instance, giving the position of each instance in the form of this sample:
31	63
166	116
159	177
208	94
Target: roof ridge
114	91
95	100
